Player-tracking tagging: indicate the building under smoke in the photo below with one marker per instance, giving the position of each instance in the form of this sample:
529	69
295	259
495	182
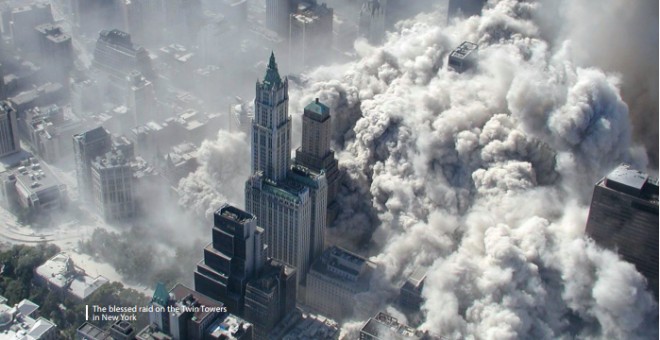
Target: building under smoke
310	34
315	153
56	51
624	217
141	98
464	8
335	279
8	130
23	21
410	294
49	130
116	56
86	147
463	57
386	327
113	185
372	20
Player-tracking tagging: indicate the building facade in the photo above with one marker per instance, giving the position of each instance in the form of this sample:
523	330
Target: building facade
624	217
335	279
117	56
315	153
282	204
8	130
86	147
310	34
236	255
113	186
372	20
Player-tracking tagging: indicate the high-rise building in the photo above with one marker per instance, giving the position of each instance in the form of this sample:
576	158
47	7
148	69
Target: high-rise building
270	297
8	130
334	281
235	272
315	152
310	34
624	217
56	51
277	15
372	20
271	127
24	19
91	16
141	98
113	185
289	203
235	256
86	147
117	56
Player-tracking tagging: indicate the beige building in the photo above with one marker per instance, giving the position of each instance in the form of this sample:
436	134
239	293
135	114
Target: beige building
335	279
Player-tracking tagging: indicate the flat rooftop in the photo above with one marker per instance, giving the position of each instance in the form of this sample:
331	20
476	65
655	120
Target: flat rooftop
32	177
633	182
464	50
383	326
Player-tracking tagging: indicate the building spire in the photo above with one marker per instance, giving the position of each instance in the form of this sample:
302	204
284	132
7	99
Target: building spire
272	74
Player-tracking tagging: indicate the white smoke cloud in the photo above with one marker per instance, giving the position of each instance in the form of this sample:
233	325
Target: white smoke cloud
221	163
485	177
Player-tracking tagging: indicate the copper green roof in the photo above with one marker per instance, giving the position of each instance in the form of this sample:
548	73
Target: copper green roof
317	108
272	74
161	296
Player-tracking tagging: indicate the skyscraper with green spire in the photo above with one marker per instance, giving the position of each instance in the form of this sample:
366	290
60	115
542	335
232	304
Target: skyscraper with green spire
285	199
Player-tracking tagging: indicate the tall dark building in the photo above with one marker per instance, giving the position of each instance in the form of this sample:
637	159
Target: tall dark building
235	256
86	147
271	128
8	130
315	152
624	217
270	297
235	272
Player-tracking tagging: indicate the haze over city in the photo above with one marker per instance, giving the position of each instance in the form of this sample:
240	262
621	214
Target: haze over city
338	169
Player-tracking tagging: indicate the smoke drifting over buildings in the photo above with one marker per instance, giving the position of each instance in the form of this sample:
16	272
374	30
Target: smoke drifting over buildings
470	183
484	177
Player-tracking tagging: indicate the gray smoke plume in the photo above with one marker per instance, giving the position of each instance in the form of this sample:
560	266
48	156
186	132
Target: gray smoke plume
485	177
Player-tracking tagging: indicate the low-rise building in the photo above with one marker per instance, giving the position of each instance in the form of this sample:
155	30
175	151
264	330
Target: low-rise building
386	327
31	186
186	314
20	322
60	275
301	326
